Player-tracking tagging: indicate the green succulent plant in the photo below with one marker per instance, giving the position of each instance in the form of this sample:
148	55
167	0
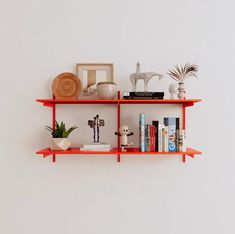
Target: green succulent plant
60	130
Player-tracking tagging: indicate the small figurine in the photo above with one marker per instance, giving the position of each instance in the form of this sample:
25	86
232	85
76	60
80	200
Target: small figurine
124	133
96	124
146	76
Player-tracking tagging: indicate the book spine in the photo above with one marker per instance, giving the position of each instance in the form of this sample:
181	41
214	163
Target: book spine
182	140
152	133
160	127
142	132
165	140
155	123
171	123
147	138
177	133
153	139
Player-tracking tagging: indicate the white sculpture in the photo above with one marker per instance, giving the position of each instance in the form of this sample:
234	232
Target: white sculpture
124	133
173	89
146	76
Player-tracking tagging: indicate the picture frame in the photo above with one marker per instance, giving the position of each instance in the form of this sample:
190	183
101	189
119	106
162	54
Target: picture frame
91	74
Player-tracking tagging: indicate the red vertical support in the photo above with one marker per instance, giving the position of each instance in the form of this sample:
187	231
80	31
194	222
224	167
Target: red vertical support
183	116
118	126
183	126
53	124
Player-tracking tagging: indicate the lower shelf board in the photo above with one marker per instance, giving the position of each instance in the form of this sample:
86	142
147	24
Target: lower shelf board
130	151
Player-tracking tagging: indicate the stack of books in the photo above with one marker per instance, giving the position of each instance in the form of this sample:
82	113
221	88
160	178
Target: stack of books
143	95
103	147
166	136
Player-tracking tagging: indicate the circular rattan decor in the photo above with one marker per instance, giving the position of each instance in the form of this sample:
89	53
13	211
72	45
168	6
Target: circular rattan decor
66	86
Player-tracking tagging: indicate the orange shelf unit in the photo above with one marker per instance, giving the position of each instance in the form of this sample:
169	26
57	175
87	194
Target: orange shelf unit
130	151
117	103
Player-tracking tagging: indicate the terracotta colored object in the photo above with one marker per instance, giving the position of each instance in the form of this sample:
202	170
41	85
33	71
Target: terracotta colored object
66	86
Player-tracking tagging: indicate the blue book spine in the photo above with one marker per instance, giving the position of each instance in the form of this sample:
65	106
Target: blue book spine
142	132
172	131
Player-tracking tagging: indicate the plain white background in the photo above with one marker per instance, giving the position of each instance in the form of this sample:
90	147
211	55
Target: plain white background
95	194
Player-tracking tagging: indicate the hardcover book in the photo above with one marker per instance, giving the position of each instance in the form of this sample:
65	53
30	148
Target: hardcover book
165	139
143	94
182	140
160	127
142	132
152	138
173	124
155	123
141	98
147	137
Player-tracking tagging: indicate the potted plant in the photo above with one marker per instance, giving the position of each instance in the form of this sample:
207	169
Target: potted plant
60	136
180	73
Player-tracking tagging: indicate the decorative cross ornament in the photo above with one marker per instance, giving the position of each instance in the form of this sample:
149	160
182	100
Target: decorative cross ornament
96	123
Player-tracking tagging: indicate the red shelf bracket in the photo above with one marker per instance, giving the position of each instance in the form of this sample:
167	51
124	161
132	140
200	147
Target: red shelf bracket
118	126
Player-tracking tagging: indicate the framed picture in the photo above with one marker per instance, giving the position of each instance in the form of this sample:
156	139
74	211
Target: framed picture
91	74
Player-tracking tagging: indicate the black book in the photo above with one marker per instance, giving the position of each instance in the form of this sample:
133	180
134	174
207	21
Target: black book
141	98
155	123
143	94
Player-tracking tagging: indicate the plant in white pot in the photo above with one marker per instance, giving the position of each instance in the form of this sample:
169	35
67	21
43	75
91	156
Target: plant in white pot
180	74
60	136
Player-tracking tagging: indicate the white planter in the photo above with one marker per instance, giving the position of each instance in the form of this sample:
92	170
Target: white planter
181	94
106	90
60	144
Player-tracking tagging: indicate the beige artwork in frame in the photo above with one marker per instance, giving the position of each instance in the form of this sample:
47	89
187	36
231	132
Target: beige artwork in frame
91	74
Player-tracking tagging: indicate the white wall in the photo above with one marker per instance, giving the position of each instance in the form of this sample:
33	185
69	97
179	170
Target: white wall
94	194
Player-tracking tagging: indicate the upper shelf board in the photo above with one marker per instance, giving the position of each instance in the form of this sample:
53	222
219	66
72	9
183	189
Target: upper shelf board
51	102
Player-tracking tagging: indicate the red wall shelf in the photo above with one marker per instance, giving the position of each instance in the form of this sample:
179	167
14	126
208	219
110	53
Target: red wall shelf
118	102
130	151
187	102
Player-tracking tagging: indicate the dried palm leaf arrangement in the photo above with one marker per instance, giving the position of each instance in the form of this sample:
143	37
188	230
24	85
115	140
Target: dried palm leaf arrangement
180	74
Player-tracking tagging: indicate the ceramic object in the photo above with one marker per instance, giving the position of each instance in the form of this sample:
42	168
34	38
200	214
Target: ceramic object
173	90
106	90
60	144
181	89
146	76
66	86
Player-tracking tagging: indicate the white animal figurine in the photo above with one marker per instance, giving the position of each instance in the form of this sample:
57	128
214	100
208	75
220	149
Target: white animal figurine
124	133
146	76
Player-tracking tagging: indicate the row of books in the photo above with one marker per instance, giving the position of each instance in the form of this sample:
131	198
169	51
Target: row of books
161	137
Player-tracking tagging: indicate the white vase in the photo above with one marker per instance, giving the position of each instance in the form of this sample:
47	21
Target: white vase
181	89
173	90
60	144
106	90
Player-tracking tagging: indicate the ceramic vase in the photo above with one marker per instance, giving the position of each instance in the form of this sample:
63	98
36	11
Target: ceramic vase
106	90
181	89
173	90
60	144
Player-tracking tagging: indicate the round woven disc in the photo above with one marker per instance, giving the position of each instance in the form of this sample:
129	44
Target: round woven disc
66	86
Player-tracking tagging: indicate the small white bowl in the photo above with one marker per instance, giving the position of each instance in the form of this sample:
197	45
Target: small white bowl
106	90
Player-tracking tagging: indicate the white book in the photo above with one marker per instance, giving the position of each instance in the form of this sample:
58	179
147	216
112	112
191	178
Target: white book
160	127
96	145
97	149
165	139
182	140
